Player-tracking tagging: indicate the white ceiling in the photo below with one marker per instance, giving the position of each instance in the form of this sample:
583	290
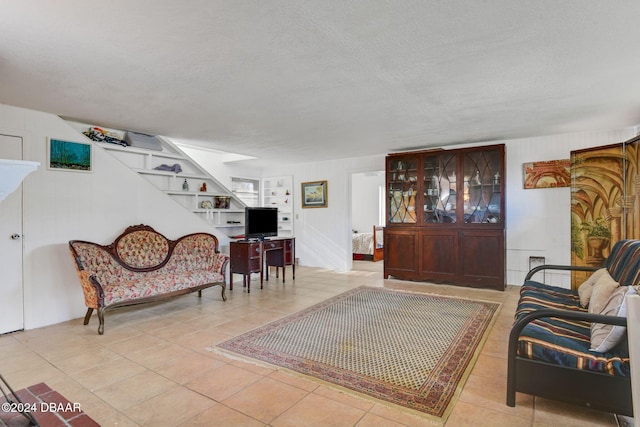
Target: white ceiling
301	80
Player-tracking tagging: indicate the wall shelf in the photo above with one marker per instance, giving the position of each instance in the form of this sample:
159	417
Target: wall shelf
145	161
278	192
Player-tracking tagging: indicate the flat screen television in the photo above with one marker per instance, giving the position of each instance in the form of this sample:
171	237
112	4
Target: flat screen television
260	222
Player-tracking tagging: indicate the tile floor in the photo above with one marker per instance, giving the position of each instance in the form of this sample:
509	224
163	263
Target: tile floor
153	366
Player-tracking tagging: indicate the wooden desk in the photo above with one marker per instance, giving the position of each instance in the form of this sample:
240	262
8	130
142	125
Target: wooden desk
252	256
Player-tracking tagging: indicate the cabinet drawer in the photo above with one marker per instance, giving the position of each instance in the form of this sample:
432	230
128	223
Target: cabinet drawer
254	264
275	244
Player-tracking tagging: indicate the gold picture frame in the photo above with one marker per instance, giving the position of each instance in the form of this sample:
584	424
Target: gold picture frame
314	194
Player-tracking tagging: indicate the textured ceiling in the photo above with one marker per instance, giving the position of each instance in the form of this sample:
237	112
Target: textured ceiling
303	80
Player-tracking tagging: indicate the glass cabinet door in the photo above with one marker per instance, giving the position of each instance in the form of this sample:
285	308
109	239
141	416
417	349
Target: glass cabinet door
401	190
482	187
440	189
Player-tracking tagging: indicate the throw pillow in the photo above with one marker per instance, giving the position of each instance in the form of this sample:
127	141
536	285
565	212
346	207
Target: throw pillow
604	337
586	289
602	290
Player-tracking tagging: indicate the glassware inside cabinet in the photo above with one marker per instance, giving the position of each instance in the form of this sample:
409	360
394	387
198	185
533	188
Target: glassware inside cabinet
401	197
440	189
482	187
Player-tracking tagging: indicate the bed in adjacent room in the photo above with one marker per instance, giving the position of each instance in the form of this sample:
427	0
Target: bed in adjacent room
369	246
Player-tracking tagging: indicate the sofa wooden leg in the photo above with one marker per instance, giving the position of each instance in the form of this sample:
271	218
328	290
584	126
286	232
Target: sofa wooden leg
200	293
101	319
87	316
223	293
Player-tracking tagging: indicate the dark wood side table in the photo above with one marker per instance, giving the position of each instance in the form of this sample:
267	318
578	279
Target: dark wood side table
248	257
280	253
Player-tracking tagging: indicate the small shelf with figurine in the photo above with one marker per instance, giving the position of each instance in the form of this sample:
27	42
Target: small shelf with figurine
278	192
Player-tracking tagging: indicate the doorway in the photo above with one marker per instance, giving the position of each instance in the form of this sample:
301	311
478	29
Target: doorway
11	286
367	211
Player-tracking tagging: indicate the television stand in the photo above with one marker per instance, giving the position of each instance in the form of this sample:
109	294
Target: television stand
252	256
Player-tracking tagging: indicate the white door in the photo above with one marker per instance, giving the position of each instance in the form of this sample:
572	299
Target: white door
11	292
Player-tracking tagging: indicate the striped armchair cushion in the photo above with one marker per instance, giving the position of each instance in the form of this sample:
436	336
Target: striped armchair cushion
564	342
623	262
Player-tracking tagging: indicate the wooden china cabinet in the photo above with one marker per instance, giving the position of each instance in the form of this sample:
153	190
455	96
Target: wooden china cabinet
446	216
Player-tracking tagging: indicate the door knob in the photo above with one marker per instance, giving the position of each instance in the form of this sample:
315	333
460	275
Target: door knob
15	236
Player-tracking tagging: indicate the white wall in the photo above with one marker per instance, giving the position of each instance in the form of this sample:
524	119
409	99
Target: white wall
538	221
60	206
213	162
323	235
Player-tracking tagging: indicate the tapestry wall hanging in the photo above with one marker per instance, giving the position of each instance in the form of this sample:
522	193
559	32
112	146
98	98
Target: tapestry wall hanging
604	202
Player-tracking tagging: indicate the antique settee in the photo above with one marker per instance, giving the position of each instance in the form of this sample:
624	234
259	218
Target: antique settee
142	265
571	345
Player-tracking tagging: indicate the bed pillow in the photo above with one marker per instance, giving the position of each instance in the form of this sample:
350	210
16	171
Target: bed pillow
604	337
586	289
602	290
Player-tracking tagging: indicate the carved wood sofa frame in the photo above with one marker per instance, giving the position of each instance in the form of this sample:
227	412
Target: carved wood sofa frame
143	266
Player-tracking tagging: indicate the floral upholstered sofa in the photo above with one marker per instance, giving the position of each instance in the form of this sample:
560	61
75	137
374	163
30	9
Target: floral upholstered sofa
142	265
571	345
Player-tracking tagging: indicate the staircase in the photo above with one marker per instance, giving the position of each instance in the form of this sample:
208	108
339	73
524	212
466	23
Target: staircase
173	172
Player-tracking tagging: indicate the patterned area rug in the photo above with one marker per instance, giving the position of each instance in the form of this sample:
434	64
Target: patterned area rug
413	350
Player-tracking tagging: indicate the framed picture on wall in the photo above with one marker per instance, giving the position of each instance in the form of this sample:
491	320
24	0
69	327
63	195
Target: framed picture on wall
314	194
549	174
69	156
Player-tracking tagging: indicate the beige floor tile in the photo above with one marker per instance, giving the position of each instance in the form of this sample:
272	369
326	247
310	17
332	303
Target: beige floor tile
315	410
60	347
108	373
239	326
403	416
131	391
259	368
495	348
169	409
188	367
135	343
490	393
117	419
113	335
152	356
294	380
345	398
223	382
466	414
87	359
372	420
550	412
176	330
490	366
18	361
202	340
157	355
265	399
32	374
220	415
99	410
11	347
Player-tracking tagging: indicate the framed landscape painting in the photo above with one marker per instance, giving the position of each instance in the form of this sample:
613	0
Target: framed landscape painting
314	194
69	156
549	174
